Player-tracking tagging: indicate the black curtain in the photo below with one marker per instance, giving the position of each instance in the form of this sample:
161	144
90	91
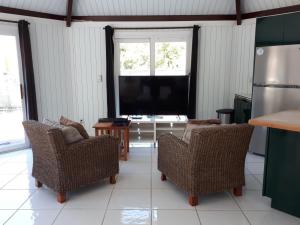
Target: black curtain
110	84
28	75
193	75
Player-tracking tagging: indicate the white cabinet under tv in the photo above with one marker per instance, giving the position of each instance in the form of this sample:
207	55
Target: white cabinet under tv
147	129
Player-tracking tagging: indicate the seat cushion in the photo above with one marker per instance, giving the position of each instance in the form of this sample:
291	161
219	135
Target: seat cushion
67	122
71	134
188	130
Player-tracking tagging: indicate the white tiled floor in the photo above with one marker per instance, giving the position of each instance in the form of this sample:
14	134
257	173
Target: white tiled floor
138	198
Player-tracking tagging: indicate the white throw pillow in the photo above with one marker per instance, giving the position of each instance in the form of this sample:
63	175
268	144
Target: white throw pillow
52	123
70	133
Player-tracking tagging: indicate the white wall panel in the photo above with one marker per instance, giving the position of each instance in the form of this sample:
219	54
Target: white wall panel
225	66
213	70
242	60
68	66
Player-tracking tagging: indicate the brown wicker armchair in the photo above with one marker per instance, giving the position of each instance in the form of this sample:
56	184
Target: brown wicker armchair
64	167
213	161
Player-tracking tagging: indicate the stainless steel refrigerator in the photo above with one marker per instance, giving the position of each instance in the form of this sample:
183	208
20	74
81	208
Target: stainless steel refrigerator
276	86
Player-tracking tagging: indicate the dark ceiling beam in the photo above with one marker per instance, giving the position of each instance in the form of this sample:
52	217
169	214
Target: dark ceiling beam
238	12
157	18
24	12
69	12
271	12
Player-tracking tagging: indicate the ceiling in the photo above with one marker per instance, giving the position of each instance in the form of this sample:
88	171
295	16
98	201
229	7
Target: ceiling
146	7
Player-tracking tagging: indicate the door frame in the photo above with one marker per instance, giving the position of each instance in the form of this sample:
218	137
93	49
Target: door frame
11	29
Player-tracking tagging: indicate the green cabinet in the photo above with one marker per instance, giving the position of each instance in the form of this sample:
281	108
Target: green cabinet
291	28
282	170
278	30
269	31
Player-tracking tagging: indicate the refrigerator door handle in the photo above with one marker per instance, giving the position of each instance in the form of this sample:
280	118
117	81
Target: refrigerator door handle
277	85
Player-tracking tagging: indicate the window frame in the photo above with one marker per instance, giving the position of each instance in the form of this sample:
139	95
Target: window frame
9	29
152	36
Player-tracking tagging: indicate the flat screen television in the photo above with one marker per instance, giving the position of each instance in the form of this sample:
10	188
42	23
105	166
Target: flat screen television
153	95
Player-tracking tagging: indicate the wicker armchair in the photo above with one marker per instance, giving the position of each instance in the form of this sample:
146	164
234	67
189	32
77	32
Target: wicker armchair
63	167
213	161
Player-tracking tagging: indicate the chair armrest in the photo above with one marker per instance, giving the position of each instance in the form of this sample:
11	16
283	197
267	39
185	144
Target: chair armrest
172	151
56	139
205	122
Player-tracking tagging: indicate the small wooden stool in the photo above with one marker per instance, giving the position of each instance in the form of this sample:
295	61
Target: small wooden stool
108	128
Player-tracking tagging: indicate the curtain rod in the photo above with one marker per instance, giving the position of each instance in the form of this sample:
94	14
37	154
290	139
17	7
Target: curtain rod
150	28
8	21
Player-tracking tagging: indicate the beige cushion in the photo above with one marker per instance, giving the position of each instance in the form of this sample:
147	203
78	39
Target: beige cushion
67	122
70	133
188	130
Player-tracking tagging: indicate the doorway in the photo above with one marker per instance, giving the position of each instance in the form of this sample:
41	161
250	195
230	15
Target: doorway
12	136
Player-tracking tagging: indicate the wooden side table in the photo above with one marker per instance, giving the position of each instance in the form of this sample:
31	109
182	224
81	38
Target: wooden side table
109	128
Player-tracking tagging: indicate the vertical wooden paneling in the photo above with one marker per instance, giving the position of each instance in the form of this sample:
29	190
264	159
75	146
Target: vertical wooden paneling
225	66
68	65
242	60
214	70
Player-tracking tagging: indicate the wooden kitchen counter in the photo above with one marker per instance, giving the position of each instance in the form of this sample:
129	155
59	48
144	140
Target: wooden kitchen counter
285	120
282	160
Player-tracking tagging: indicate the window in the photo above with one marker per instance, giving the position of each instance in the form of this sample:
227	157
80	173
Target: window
152	53
170	58
134	58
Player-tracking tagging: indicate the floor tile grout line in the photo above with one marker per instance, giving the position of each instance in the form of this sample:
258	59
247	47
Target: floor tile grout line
58	213
106	209
1	188
11	216
261	183
17	174
20	206
241	210
198	216
151	176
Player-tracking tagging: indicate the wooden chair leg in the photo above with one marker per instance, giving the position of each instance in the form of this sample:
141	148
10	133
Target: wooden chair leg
163	177
112	179
193	200
38	184
61	197
238	191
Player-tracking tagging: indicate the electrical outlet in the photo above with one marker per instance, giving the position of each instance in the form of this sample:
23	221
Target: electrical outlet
82	121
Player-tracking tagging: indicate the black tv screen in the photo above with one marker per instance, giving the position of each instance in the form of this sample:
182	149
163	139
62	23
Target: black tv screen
153	95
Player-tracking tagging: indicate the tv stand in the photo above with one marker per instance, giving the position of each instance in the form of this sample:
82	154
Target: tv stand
136	117
147	129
